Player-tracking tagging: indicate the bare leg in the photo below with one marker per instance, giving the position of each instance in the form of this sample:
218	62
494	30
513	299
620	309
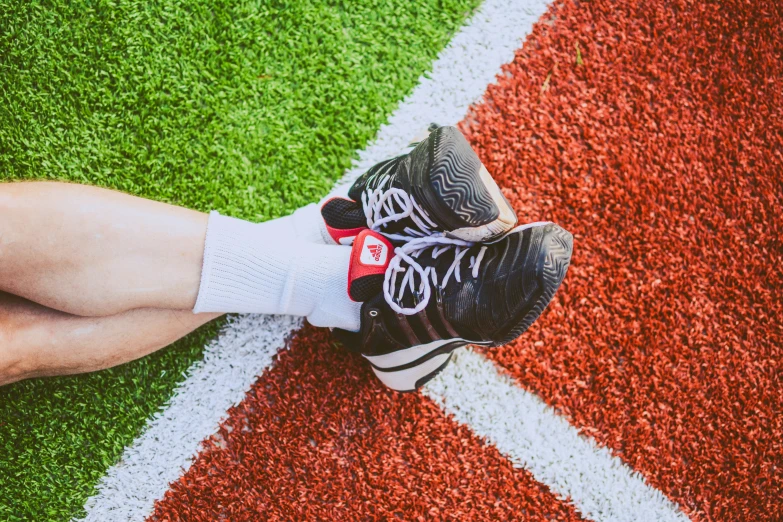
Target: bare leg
36	341
95	252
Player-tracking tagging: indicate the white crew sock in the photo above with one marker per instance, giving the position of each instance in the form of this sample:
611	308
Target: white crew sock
309	225
256	268
305	224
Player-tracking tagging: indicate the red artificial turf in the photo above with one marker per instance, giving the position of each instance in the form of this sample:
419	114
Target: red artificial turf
662	151
319	438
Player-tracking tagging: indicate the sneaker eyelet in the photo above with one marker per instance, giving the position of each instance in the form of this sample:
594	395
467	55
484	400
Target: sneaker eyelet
373	313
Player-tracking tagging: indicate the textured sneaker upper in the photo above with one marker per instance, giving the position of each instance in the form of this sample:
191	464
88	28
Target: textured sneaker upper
447	183
492	308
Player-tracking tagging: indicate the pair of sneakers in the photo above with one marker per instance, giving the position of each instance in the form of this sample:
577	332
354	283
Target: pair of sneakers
438	261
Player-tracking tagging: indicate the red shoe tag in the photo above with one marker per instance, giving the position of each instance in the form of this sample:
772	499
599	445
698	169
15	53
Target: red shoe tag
343	236
374	252
370	255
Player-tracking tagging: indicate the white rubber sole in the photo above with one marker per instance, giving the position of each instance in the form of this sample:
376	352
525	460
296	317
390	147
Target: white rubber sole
407	370
413	378
391	361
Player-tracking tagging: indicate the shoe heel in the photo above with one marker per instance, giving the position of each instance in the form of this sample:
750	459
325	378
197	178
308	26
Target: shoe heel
472	206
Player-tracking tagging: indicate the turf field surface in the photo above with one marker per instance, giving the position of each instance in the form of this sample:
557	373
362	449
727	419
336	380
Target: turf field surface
600	485
659	358
458	78
253	109
320	451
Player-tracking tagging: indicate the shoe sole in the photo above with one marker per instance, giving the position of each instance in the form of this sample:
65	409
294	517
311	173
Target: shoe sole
412	379
409	369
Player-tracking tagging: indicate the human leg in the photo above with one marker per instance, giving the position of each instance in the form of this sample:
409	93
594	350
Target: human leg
96	252
36	341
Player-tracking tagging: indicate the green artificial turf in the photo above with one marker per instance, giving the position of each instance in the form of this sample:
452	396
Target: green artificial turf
251	108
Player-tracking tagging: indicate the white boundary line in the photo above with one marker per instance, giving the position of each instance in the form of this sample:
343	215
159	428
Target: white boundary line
246	346
535	438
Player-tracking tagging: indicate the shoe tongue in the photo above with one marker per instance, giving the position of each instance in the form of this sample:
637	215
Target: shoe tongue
371	179
370	255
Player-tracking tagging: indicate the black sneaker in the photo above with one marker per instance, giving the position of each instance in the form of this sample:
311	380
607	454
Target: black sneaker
434	294
439	186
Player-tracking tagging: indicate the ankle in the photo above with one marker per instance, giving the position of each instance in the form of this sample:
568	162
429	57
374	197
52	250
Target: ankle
309	225
247	270
333	308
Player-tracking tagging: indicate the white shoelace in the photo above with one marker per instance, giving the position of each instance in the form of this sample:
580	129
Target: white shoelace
379	201
413	249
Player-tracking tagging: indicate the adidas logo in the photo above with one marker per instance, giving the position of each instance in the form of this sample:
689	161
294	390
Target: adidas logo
374	252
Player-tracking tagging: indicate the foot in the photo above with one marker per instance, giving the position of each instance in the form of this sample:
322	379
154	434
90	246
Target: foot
434	294
439	186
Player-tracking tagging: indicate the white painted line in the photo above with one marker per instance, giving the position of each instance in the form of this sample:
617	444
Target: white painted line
534	437
231	363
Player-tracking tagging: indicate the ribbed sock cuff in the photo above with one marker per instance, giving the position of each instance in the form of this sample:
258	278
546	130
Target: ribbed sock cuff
250	268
